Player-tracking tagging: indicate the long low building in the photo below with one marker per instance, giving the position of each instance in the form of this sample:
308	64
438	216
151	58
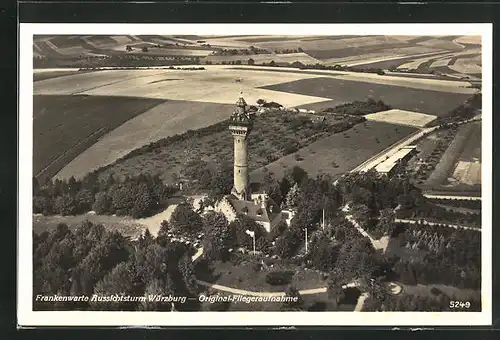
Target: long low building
401	156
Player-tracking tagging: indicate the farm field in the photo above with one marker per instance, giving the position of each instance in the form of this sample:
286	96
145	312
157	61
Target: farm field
339	153
342	91
401	117
65	126
215	85
273	134
408	80
38	76
468	171
266	58
467	65
468	167
166	119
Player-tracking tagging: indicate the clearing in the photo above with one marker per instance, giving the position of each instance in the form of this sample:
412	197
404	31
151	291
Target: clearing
339	153
274	134
401	117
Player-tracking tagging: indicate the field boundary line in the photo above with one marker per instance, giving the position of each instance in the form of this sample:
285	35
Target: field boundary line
69	150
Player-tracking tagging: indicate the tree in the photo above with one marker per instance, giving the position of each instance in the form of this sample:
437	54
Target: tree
128	48
121	281
102	204
336	279
298	175
278	230
65	205
251	61
73	186
42	205
261	102
144	49
84	200
296	303
218	237
292	198
361	214
386	223
185	220
186	269
158	287
322	252
288	243
143	202
222	182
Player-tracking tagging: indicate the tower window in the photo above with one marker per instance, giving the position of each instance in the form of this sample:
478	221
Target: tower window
239	171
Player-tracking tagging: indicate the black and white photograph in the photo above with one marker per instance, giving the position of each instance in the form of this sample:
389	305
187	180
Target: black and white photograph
194	169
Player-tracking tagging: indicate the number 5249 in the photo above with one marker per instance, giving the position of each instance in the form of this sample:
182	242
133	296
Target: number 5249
459	304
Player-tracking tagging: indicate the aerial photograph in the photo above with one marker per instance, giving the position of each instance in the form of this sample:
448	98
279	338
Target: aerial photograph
234	173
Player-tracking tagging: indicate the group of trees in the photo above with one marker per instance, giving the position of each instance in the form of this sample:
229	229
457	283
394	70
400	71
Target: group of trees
453	258
359	107
458	203
241	51
466	110
289	50
91	260
137	196
116	60
318	66
419	303
432	212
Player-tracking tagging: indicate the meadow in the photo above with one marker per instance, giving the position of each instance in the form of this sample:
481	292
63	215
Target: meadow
339	153
343	91
65	126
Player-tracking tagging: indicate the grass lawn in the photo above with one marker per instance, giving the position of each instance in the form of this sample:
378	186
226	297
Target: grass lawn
341	152
343	91
247	276
125	225
64	126
462	294
273	134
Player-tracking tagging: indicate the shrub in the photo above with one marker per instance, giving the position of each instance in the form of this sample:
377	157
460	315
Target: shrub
279	278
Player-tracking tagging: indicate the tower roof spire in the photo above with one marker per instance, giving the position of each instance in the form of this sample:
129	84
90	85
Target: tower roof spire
241	102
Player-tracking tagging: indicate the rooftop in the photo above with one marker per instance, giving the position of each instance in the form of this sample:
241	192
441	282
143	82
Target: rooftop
254	210
390	162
